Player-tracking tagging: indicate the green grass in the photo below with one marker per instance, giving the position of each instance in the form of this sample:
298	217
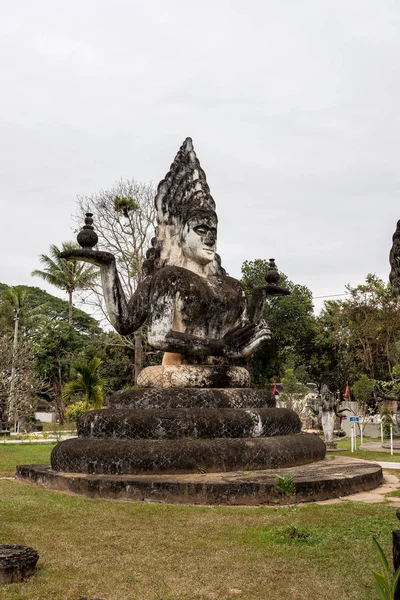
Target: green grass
22	454
56	427
366	454
121	550
141	551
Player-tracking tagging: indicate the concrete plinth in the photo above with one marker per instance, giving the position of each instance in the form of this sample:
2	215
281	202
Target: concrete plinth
330	478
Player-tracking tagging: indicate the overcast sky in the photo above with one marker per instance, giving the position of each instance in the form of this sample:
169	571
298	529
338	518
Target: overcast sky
293	107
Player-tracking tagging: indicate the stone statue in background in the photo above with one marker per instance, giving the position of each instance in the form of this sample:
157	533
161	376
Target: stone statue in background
329	411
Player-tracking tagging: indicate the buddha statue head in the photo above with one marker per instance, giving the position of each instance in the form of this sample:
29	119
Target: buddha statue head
198	237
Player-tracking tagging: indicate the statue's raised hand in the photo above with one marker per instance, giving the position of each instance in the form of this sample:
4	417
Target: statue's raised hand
245	339
94	257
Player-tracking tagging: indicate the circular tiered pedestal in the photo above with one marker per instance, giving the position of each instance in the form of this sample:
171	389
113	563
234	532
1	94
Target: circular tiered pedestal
180	444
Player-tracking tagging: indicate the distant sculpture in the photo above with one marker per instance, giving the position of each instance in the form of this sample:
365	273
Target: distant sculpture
193	309
329	411
394	259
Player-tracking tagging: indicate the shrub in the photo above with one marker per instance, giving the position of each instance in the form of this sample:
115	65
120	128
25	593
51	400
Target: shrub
285	486
74	411
386	582
339	433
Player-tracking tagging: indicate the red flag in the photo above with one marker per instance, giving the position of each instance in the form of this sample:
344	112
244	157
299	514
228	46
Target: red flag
275	390
347	391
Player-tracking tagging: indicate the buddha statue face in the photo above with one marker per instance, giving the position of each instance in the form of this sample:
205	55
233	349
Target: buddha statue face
199	238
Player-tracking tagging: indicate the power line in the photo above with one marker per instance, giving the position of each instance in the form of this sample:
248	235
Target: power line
331	296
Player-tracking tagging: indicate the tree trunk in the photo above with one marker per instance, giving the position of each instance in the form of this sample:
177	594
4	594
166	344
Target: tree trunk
70	325
57	387
12	408
70	307
381	394
138	355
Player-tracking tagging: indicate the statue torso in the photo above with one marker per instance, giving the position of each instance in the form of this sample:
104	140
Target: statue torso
205	307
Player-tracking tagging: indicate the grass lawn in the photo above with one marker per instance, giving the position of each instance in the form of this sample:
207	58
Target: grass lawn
366	454
22	454
142	551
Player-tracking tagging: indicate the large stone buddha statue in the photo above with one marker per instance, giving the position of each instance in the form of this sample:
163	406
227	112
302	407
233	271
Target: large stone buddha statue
194	310
192	307
197	409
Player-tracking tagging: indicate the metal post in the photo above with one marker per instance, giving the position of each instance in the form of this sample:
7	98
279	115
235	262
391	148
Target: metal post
391	440
382	432
352	437
361	434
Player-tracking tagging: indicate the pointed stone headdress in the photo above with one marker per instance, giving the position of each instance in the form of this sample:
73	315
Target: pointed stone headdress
183	194
184	190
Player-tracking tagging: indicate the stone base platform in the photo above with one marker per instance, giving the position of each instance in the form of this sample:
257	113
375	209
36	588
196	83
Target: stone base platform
330	478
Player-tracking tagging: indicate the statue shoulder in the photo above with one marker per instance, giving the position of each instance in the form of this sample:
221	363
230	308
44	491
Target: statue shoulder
171	278
235	283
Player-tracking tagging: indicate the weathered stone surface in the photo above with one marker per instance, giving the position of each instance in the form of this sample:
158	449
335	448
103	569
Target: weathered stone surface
186	455
195	423
192	398
330	478
16	562
194	376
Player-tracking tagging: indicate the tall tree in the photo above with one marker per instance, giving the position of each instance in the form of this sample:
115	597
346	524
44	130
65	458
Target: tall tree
18	382
69	276
367	326
124	219
14	303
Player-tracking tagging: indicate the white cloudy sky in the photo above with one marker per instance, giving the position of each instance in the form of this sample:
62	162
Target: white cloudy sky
293	107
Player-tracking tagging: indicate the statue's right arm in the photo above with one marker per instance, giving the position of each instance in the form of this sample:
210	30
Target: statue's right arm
125	317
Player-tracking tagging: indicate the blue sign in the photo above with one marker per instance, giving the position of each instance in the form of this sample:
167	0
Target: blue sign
354	419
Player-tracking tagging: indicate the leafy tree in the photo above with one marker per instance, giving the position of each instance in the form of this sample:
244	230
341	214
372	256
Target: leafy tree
66	275
363	390
359	335
47	338
39	302
53	343
88	382
294	392
363	393
328	362
292	324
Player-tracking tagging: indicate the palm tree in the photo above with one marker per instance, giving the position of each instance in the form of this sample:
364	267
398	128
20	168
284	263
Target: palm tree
67	275
88	382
